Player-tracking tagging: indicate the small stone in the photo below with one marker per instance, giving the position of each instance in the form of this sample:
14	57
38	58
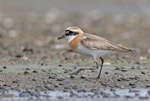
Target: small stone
131	84
61	84
65	90
15	81
148	92
27	68
4	67
128	96
56	86
33	79
112	89
66	58
60	65
49	87
52	76
93	90
42	64
5	85
82	77
123	70
117	68
1	71
61	78
143	72
26	49
143	97
137	62
66	87
34	71
132	67
18	56
147	86
72	76
26	72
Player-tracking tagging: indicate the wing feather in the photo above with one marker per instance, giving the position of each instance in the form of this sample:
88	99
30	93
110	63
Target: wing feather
96	42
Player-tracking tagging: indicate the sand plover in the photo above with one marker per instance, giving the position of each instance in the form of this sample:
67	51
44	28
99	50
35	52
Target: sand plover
91	45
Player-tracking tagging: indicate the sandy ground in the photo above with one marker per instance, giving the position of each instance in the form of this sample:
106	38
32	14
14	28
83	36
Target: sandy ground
30	68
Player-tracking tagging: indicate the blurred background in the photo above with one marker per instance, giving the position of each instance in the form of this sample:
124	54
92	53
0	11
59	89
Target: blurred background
32	26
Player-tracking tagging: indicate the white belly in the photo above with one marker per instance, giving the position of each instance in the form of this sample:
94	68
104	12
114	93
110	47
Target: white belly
93	52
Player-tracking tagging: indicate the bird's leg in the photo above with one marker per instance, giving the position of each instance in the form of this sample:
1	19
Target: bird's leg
97	65
78	71
82	69
102	61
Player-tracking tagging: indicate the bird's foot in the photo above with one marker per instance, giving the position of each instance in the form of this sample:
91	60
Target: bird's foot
77	71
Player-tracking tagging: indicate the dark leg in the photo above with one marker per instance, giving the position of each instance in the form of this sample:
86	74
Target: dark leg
102	61
82	69
97	65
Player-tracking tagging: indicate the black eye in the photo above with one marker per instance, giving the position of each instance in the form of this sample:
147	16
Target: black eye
68	32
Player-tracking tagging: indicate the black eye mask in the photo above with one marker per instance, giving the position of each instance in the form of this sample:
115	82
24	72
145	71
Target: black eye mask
70	33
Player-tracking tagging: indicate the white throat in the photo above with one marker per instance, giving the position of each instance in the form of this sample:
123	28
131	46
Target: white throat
70	38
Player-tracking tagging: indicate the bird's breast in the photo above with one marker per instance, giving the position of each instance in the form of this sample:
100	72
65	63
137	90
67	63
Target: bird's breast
74	44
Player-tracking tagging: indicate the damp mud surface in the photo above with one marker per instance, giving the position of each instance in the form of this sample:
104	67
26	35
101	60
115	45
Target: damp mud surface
34	65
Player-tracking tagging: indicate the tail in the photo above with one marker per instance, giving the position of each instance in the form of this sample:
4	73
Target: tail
125	49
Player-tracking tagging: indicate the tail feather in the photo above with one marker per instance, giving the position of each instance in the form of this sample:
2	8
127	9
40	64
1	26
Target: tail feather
125	49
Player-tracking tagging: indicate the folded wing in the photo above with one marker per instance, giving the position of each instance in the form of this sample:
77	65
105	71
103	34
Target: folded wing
96	42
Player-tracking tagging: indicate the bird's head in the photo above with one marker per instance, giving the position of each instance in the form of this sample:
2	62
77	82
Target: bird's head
71	33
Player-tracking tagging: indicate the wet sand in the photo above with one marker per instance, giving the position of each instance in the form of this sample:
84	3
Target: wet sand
33	70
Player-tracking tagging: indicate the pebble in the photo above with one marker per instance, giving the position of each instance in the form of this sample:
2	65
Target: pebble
15	81
143	72
33	79
27	68
4	67
123	70
128	96
18	56
143	97
105	95
49	87
132	84
137	62
72	76
82	77
52	76
34	71
117	68
26	49
26	72
148	92
24	94
60	78
60	65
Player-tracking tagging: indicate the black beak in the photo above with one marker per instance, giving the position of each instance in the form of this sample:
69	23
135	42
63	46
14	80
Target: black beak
63	36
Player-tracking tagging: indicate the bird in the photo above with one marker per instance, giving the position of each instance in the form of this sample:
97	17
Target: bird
91	45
